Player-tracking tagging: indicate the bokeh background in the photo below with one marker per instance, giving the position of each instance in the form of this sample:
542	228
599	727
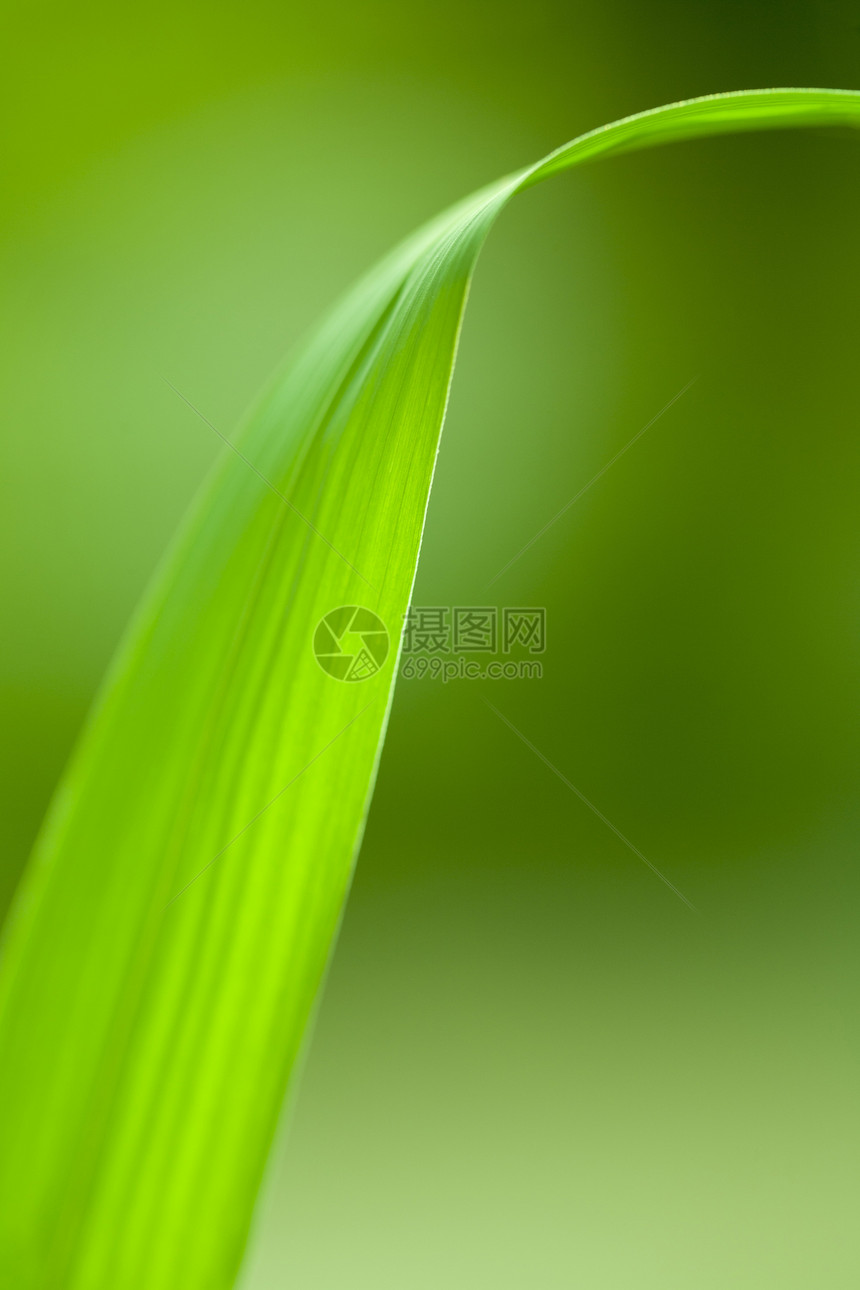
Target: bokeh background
534	1066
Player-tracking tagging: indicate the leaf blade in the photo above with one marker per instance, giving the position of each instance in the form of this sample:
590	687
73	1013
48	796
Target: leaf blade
167	948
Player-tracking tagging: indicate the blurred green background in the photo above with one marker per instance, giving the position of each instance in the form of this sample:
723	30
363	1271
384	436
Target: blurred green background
534	1065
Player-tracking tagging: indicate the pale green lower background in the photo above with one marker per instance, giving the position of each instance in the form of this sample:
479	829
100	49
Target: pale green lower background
534	1065
528	1087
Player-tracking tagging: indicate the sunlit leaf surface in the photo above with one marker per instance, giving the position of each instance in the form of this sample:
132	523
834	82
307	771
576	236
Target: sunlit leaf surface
168	943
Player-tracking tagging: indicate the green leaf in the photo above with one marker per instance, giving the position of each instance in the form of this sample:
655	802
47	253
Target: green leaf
168	942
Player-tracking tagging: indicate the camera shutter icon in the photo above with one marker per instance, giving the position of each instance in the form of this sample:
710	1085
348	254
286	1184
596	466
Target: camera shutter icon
351	643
